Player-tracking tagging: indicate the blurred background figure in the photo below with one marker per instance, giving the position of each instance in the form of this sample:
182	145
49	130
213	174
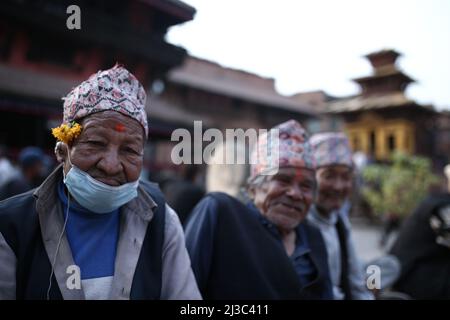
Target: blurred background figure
33	169
447	175
360	160
391	224
423	248
227	178
7	170
184	192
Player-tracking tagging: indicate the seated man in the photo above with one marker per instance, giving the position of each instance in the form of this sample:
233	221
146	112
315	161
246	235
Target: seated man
92	230
334	170
265	249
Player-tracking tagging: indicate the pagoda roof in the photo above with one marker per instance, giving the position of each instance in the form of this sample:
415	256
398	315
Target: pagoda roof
380	101
385	72
383	52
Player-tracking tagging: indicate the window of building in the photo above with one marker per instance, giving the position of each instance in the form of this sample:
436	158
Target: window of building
355	141
391	143
313	126
372	142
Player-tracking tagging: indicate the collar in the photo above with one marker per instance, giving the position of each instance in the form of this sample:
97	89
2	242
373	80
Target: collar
301	241
75	206
331	220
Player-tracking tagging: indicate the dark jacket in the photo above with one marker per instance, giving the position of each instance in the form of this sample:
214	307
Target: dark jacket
425	265
234	257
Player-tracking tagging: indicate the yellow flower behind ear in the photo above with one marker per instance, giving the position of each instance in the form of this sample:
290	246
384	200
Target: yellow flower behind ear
67	132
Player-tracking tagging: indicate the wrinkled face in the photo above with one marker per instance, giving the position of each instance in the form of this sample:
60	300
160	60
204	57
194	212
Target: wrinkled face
109	148
334	184
284	198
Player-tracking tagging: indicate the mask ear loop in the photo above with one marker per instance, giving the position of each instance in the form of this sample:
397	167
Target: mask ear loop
58	149
61	235
68	158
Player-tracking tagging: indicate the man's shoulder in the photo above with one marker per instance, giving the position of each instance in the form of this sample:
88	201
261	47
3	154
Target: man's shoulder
17	216
313	233
225	205
428	207
223	199
18	204
217	201
311	227
217	206
440	201
155	193
151	187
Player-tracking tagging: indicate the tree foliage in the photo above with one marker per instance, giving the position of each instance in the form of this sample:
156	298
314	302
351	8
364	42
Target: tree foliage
398	187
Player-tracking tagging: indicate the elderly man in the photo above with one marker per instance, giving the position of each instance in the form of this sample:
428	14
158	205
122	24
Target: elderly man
92	230
334	169
265	249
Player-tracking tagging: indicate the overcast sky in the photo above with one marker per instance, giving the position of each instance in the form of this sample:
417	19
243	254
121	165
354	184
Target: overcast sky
319	44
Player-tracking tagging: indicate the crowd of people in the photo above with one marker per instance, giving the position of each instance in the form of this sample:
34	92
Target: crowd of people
92	229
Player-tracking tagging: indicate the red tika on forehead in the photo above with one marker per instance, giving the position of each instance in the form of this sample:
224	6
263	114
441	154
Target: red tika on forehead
120	127
298	174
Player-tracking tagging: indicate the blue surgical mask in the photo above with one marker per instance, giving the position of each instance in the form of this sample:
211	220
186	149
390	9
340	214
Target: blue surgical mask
96	196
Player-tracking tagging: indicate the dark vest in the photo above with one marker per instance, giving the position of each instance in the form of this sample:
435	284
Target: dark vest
345	270
20	227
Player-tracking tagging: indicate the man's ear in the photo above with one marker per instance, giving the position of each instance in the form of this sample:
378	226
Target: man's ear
61	151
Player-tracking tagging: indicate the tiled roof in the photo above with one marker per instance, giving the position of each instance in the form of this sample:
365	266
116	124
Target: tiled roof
360	103
211	77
